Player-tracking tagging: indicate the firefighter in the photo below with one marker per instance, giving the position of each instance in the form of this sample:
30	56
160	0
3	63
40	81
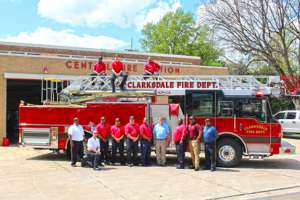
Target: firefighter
76	136
103	133
117	132
161	140
132	132
145	131
195	132
151	68
210	135
93	153
99	69
179	138
117	71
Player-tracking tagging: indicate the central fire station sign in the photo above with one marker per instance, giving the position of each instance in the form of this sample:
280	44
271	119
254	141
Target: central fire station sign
173	85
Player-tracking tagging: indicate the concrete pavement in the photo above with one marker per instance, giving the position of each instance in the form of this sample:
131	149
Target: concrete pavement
30	174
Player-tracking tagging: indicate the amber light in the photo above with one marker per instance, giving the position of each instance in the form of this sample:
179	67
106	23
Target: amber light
22	103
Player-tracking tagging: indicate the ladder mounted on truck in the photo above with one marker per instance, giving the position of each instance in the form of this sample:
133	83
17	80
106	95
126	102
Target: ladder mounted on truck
89	88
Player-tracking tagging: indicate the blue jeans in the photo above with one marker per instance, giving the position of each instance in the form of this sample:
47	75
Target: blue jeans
153	74
146	152
94	74
180	150
210	154
113	78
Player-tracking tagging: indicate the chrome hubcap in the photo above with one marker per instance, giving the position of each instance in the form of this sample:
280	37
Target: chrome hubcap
227	153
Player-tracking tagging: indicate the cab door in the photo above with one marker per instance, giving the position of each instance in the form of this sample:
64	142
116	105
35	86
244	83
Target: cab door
290	122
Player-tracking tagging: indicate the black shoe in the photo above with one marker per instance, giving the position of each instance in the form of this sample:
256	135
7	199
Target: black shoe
97	169
192	167
82	163
122	87
163	165
129	165
113	91
205	168
179	167
158	164
107	163
123	164
73	165
144	165
112	164
196	169
136	164
100	164
102	83
149	164
213	169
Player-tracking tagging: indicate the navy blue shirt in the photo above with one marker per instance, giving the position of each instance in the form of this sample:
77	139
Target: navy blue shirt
210	133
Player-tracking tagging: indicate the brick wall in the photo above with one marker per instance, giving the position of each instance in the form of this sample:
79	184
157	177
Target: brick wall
36	65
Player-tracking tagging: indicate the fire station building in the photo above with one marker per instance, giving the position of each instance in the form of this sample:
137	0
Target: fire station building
22	67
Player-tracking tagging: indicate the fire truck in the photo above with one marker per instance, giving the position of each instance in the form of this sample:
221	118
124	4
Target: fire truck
237	106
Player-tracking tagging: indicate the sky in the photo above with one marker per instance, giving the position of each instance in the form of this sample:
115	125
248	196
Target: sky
106	24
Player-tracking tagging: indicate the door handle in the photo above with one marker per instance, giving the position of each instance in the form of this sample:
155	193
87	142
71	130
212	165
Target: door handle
241	127
294	122
281	121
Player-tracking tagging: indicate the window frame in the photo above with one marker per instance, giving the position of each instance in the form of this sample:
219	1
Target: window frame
232	109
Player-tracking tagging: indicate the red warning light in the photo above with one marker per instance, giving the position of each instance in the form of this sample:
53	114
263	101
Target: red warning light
260	93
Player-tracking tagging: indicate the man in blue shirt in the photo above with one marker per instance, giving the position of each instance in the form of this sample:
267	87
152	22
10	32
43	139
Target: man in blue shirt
161	139
210	135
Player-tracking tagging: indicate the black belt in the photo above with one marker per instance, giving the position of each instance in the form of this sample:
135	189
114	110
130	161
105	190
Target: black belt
194	139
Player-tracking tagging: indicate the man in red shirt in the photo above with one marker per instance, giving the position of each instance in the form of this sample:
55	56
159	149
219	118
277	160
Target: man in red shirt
117	132
151	68
99	69
132	132
179	138
103	135
146	133
117	71
196	132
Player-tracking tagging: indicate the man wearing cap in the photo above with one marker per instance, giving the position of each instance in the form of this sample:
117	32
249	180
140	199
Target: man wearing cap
210	135
179	138
195	132
103	133
93	152
161	139
145	131
132	132
117	132
99	69
151	68
117	71
76	136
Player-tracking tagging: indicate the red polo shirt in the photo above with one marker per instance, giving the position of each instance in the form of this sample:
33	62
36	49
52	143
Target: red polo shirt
99	67
179	131
145	130
117	131
194	130
133	130
103	130
117	66
151	67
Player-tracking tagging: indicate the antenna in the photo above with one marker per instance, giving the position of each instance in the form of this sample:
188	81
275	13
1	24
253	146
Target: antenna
131	32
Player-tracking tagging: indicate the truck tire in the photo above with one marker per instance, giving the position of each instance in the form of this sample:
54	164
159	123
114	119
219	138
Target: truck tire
229	152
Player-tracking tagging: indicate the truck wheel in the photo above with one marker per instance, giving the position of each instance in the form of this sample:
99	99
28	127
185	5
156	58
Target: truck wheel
229	152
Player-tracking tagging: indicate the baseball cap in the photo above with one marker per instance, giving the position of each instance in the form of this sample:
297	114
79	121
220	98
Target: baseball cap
192	118
117	55
132	117
207	120
102	118
100	57
117	119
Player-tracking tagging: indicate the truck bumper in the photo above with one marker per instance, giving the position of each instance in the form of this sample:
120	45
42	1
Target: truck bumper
287	148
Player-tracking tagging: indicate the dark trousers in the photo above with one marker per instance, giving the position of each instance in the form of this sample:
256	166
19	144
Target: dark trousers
113	78
131	145
94	74
180	150
146	151
115	147
94	157
147	74
210	154
104	151
77	149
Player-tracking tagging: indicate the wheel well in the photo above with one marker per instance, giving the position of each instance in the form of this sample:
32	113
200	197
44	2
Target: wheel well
236	138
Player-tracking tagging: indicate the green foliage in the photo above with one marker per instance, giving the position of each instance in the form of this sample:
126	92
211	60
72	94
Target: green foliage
178	33
278	104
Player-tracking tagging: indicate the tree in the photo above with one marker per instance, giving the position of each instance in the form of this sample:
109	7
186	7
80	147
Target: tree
178	33
266	30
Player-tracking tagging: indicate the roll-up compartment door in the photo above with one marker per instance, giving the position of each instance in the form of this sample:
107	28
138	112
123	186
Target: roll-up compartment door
36	136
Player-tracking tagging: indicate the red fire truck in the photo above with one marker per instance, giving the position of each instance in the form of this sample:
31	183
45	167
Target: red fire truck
237	106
